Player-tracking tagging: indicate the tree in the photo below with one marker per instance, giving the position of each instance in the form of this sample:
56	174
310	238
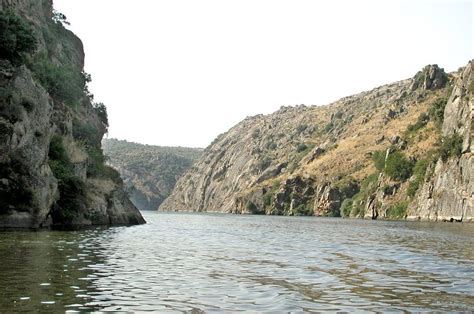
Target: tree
17	38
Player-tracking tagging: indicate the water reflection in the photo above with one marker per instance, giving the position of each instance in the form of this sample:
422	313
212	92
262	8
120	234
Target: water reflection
190	262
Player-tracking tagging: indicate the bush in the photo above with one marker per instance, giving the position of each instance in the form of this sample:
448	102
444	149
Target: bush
398	167
101	111
301	147
346	207
328	127
87	133
422	121
419	172
397	211
436	111
17	38
302	210
450	146
63	83
378	158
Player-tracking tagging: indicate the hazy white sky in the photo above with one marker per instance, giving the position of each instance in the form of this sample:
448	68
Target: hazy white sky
179	72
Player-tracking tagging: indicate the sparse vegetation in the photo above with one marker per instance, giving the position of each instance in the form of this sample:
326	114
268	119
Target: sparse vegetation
421	122
301	147
419	172
436	111
450	146
378	158
397	211
71	189
63	83
17	38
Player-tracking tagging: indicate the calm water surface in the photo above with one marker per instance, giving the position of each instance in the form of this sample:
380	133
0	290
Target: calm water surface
196	262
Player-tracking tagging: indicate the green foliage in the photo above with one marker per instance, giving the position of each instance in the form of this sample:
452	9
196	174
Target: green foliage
301	147
398	210
328	127
71	188
450	146
63	83
101	111
346	207
86	133
378	158
436	111
419	172
17	38
398	167
367	187
302	210
421	122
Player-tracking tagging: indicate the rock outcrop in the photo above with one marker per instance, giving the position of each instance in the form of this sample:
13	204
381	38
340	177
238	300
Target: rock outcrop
374	155
449	193
52	171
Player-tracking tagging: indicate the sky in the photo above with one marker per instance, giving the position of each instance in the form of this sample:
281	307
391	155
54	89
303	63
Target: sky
180	72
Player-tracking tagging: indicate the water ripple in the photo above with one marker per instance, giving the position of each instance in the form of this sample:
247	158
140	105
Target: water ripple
214	263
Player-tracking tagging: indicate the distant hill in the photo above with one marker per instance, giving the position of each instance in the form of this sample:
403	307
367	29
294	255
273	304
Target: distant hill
149	172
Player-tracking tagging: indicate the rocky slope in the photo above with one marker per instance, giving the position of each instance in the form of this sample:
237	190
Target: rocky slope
149	172
52	171
402	150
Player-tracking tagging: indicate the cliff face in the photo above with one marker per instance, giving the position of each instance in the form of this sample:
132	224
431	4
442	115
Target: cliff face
449	193
51	164
149	172
373	155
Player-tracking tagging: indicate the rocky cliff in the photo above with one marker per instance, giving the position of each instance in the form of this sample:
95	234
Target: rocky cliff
52	171
149	172
402	150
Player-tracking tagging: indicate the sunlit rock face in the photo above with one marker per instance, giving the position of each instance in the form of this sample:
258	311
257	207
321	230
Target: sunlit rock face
319	160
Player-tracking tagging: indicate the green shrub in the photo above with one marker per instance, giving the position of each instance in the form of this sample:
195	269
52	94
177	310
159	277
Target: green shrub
63	83
17	38
378	158
450	146
436	111
101	111
328	127
346	207
86	133
398	167
421	122
301	147
419	172
397	211
302	210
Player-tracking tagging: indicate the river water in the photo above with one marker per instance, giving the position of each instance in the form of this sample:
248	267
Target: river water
211	262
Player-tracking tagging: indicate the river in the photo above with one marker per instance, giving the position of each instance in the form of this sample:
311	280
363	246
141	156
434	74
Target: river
217	262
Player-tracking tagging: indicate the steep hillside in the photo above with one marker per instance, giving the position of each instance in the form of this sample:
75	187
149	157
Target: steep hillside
52	170
367	155
149	172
